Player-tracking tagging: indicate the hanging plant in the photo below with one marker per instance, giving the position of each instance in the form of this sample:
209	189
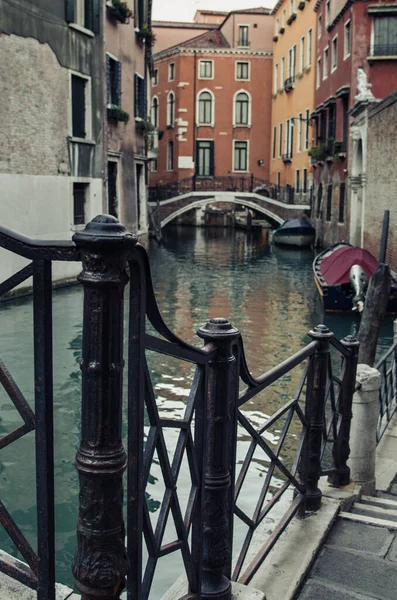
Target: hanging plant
119	11
145	34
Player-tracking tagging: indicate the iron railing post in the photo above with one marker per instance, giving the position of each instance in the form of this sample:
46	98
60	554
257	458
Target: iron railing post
220	411
252	183
100	563
341	446
314	412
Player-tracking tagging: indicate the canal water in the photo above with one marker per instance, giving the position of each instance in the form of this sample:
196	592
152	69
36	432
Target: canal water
266	291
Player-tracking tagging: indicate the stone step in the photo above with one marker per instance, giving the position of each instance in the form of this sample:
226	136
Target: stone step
377	512
386	501
369	520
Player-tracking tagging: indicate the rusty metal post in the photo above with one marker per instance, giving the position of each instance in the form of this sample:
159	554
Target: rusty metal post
222	399
341	446
314	412
100	563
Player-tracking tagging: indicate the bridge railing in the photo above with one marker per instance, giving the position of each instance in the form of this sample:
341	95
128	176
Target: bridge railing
387	366
306	438
228	183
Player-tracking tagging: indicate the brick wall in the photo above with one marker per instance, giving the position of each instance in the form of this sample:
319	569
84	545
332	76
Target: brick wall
381	192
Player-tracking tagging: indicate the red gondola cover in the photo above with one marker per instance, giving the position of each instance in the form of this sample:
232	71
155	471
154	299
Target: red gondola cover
335	268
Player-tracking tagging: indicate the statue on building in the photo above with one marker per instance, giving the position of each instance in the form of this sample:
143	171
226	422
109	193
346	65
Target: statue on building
364	88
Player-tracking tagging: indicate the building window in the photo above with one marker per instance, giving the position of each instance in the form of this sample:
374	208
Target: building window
155	112
274	141
302	56
275	83
328	13
242	109
347	39
243	36
329	202
113	75
206	69
205	110
240	156
140	97
331	122
242	71
171	110
341	216
278	180
304	182
292	62
282	73
299	140
289	138
385	35
280	140
307	123
170	156
297	181
155	78
277	27
325	65
80	191
79	106
84	13
318	73
319	26
205	158
309	47
171	72
112	189
334	54
283	18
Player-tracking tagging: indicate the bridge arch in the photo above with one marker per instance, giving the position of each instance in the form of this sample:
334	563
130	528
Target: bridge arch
273	219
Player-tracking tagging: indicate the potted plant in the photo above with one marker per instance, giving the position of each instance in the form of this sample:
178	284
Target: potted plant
145	34
116	113
282	29
147	129
275	38
301	5
119	11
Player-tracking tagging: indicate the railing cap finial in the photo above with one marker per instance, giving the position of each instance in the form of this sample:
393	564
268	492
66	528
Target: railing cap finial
104	229
217	328
350	341
320	332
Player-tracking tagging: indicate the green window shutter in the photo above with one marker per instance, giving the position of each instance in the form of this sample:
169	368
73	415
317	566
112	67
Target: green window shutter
69	11
108	80
118	83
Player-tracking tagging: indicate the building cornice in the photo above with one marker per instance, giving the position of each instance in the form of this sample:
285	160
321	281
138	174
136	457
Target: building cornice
180	25
233	51
382	8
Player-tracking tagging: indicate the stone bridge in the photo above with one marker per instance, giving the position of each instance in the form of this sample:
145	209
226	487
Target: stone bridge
274	203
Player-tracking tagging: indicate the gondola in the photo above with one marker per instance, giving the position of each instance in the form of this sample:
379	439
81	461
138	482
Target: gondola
295	232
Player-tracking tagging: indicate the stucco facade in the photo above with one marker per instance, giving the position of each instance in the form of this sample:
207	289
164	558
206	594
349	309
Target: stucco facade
220	93
293	94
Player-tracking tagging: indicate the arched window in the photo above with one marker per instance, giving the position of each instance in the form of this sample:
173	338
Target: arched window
171	109
242	109
205	109
155	112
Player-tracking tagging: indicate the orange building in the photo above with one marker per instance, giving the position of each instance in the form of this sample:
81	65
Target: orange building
211	97
293	94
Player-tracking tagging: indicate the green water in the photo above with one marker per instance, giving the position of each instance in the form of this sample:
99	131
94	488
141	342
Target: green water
266	291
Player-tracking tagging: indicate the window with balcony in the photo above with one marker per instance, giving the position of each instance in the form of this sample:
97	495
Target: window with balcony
385	35
205	108
240	156
334	54
170	110
243	36
347	40
242	71
206	69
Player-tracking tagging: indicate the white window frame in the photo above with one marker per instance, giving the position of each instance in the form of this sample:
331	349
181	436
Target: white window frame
206	140
334	56
325	63
248	156
212	124
169	71
88	107
307	131
292	62
302	54
212	68
299	135
248	40
319	26
275	81
155	78
169	124
318	72
346	55
246	62
242	91
309	47
288	137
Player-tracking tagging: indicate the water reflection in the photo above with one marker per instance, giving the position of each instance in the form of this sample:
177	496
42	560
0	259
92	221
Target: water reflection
267	292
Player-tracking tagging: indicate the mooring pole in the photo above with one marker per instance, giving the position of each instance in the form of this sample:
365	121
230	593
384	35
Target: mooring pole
222	398
100	563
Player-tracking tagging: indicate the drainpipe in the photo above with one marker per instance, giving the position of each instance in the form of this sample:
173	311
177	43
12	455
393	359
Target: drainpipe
105	119
194	112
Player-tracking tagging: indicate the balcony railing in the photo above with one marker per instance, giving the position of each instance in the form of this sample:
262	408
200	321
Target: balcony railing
287	157
244	43
289	83
383	50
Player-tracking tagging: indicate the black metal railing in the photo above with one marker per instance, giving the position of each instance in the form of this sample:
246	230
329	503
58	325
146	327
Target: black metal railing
387	366
383	50
289	83
287	157
208	432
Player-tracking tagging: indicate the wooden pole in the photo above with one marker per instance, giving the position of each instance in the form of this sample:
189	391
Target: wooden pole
385	235
374	311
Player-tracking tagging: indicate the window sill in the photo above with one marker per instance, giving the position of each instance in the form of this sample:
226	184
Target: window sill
81	29
242	79
307	70
205	125
206	78
77	140
386	57
334	69
241	125
347	56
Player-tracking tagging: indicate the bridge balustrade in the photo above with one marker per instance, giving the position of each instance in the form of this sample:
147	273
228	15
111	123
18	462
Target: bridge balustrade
314	420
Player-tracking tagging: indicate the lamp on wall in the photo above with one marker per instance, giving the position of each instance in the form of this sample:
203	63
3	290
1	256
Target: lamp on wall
302	120
261	163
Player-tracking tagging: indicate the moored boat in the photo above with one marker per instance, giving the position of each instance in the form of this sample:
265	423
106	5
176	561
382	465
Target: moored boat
295	232
342	274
